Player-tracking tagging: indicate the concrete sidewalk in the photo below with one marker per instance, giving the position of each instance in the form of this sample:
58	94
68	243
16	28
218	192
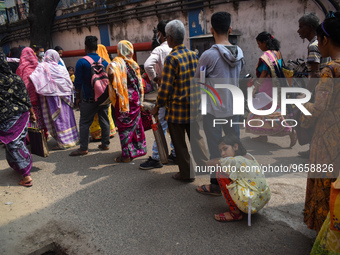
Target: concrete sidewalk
92	205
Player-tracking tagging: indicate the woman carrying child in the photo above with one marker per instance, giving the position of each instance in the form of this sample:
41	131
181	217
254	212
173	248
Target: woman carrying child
240	178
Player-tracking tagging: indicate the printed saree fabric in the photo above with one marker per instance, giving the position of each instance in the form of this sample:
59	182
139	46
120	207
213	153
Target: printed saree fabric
14	98
119	84
325	145
258	124
130	128
328	240
53	83
28	63
13	133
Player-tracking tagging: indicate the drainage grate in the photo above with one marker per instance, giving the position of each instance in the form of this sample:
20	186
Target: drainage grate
51	249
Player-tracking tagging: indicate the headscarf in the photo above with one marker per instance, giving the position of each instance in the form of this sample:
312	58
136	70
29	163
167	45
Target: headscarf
28	63
14	98
50	78
102	52
119	83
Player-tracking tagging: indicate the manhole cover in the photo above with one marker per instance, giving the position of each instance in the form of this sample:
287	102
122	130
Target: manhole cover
51	249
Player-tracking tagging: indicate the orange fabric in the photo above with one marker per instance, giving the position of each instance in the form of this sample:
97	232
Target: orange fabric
117	68
102	52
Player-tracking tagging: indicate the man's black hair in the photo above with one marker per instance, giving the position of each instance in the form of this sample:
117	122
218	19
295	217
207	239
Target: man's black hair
161	26
91	42
220	22
58	48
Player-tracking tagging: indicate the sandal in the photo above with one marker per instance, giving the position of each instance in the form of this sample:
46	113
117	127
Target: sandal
26	184
222	218
78	152
212	191
178	177
121	159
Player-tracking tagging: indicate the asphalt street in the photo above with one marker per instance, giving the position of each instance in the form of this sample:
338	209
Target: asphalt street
92	205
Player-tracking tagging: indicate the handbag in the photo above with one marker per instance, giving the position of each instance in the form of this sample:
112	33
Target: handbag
146	120
304	135
38	141
334	206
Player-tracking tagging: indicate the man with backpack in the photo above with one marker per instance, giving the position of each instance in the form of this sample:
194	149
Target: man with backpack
88	70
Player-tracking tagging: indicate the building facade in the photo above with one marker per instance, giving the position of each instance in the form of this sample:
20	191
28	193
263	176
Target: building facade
134	20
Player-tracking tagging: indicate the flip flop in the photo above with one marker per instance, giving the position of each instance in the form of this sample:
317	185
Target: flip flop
26	184
78	152
121	159
223	219
205	191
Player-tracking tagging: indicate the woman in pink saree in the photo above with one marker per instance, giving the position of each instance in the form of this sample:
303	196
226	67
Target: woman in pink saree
28	63
52	82
126	94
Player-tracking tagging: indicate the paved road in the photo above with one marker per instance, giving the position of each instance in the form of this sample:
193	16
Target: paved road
92	205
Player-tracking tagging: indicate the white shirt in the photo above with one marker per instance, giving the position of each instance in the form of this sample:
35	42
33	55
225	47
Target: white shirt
154	64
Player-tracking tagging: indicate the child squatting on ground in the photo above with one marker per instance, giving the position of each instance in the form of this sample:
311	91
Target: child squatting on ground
238	185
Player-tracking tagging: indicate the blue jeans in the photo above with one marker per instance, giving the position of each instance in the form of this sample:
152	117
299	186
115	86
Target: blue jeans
164	124
214	135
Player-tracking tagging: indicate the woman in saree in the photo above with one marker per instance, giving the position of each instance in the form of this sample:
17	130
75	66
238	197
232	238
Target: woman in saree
269	74
28	63
126	94
52	82
95	129
15	112
325	117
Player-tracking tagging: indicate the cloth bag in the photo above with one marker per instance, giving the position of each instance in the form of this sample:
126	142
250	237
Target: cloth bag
146	120
38	141
334	206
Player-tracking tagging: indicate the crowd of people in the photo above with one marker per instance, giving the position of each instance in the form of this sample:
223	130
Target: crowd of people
40	88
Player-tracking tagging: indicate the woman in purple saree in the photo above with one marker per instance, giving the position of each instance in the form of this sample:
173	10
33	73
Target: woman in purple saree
15	112
53	83
126	94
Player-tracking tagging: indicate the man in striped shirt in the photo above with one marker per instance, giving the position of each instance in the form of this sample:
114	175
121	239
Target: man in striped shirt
181	102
